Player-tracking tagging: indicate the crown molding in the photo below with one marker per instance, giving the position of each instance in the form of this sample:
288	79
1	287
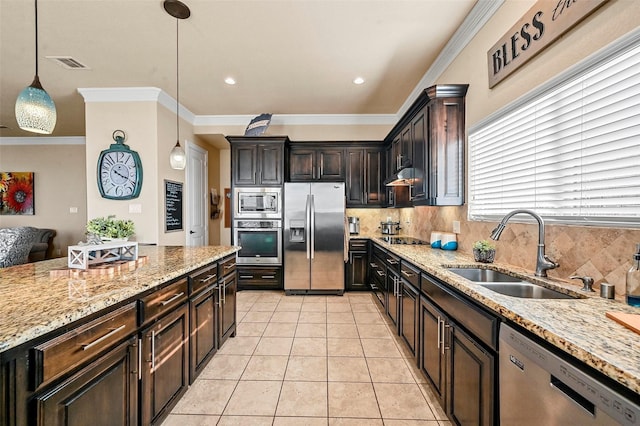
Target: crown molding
300	119
472	24
119	94
43	140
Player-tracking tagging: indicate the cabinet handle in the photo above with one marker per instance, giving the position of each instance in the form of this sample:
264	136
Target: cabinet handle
177	296
113	331
392	261
373	265
268	277
139	359
380	273
439	333
444	337
223	292
209	278
246	277
407	273
153	351
229	266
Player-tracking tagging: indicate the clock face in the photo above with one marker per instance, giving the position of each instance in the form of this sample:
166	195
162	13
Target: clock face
119	174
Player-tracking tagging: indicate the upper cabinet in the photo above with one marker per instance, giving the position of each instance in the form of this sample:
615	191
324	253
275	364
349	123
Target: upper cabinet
365	168
316	163
258	160
427	148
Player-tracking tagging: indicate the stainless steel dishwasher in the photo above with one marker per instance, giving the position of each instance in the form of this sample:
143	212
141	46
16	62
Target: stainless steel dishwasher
539	388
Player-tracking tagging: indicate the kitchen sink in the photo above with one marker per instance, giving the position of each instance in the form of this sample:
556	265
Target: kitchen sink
526	290
484	275
508	285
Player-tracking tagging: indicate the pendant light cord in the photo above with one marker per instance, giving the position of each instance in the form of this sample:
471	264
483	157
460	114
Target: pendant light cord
177	84
36	2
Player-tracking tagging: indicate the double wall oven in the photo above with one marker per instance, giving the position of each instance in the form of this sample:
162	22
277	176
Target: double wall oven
257	225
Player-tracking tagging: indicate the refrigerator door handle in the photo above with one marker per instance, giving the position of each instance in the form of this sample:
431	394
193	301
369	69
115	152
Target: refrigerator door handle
307	222
312	214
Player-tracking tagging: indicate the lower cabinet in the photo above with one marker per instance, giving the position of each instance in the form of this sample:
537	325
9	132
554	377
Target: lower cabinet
226	300
104	393
165	364
460	366
358	265
260	277
203	339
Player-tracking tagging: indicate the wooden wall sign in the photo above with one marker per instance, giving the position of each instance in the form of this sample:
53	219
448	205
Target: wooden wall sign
539	27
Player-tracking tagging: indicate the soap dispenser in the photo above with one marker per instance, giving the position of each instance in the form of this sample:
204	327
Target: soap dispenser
633	280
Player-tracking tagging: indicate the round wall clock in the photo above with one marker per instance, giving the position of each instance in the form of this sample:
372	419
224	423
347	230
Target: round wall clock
119	170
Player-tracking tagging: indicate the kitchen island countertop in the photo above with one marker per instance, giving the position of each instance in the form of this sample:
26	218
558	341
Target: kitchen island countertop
578	327
35	303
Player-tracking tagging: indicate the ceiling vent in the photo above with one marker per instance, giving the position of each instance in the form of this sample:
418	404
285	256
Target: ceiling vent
68	62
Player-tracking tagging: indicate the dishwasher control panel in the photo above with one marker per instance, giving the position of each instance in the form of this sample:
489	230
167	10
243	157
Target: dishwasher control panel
585	390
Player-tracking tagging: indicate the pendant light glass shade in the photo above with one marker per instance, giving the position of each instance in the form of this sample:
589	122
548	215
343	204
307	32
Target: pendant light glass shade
35	110
178	158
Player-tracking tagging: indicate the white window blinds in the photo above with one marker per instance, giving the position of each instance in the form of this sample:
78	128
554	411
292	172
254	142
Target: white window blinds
571	153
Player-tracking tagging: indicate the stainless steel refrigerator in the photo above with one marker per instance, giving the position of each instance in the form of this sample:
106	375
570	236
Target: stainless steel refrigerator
314	237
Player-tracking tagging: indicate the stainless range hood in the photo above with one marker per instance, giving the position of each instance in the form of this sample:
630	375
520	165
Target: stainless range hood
403	177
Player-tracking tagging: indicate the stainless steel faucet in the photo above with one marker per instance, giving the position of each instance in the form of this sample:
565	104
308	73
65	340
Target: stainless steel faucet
543	263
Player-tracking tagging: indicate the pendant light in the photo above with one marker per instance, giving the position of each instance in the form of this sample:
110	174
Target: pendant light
177	9
35	110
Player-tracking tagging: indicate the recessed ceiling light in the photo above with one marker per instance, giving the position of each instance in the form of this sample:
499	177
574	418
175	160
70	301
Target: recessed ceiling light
358	80
230	81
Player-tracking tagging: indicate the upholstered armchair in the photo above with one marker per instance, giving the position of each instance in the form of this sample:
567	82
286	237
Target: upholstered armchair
15	245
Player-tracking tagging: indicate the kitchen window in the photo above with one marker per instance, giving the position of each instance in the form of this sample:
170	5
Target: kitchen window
570	149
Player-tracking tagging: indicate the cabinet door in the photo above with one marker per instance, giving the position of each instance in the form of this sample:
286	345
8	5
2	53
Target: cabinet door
104	393
357	271
406	146
202	341
396	152
393	284
165	364
330	165
447	152
409	315
302	165
373	189
244	164
431	351
471	388
419	128
270	164
355	177
227	308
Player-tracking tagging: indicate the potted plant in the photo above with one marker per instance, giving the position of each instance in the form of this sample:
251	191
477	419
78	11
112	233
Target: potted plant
484	251
109	228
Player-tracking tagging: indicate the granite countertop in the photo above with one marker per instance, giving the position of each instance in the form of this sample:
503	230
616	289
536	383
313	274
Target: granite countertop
578	327
34	303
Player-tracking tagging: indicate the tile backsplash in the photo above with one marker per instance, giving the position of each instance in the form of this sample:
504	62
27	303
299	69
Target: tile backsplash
602	253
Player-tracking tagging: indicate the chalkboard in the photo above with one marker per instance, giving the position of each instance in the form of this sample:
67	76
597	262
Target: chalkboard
172	206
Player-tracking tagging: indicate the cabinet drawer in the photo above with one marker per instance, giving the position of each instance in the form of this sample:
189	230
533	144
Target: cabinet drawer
203	278
411	274
163	300
57	356
259	276
358	245
227	266
378	270
392	261
379	251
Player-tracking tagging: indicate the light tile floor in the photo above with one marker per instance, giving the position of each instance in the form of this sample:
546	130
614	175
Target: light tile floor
310	360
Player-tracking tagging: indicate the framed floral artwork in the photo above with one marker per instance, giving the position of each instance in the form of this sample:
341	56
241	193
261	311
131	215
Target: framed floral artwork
16	193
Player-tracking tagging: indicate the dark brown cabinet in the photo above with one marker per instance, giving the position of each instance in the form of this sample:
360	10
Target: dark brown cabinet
357	267
104	393
427	144
257	161
203	342
165	364
319	163
365	169
409	300
226	299
260	277
460	365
